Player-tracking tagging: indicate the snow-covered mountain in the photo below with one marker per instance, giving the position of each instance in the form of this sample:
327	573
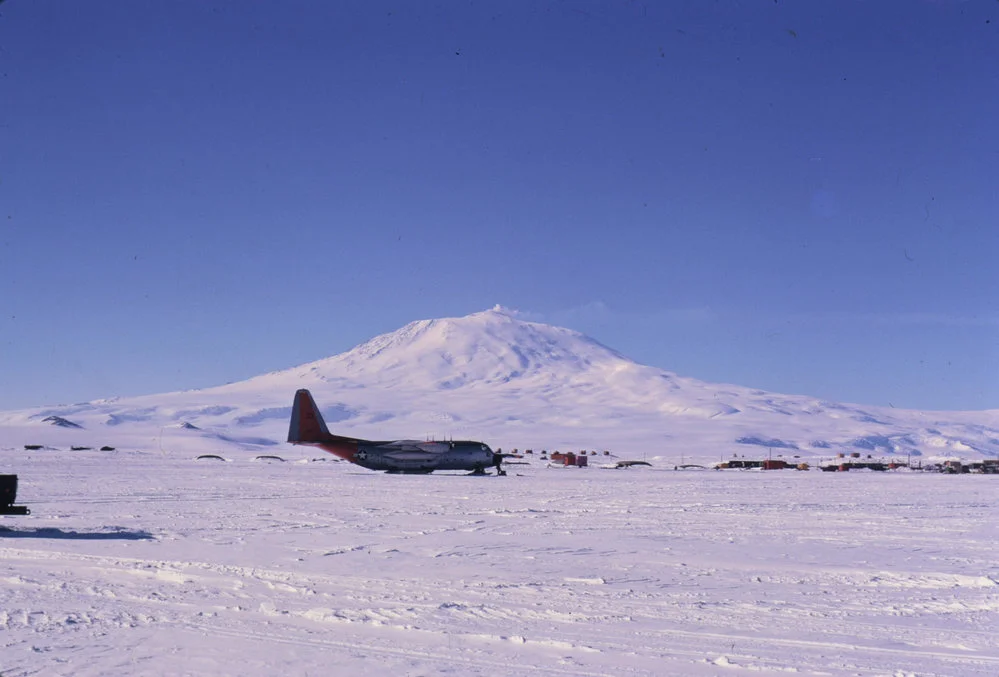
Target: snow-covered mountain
512	383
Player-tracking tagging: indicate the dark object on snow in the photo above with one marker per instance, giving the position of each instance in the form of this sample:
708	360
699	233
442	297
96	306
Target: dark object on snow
32	447
8	494
209	457
267	457
629	464
107	448
61	422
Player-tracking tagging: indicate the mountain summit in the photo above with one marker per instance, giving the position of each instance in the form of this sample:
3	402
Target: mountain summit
512	383
479	350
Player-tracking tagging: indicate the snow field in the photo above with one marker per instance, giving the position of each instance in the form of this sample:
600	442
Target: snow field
157	564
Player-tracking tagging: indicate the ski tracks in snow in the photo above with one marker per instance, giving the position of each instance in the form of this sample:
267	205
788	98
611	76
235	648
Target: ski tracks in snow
258	568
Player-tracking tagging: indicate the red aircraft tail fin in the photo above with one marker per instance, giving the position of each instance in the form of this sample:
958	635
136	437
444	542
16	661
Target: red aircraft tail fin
307	423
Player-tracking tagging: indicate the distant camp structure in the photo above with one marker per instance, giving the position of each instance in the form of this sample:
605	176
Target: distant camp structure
988	466
567	459
845	462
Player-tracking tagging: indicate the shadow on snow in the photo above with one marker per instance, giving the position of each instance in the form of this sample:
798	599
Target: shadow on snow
52	532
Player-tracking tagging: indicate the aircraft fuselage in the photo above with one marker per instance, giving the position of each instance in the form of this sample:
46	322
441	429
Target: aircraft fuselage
416	457
394	456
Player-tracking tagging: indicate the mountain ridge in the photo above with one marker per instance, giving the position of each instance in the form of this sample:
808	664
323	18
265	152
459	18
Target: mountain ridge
513	383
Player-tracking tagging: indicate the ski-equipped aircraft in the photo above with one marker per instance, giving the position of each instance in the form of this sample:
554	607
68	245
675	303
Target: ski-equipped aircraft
398	456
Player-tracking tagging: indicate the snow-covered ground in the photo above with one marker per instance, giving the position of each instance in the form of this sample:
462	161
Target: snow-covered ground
153	563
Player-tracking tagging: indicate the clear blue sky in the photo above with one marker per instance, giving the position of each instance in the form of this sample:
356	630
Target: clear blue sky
796	196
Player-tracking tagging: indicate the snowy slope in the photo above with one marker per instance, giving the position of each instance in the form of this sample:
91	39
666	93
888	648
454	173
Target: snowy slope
511	383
